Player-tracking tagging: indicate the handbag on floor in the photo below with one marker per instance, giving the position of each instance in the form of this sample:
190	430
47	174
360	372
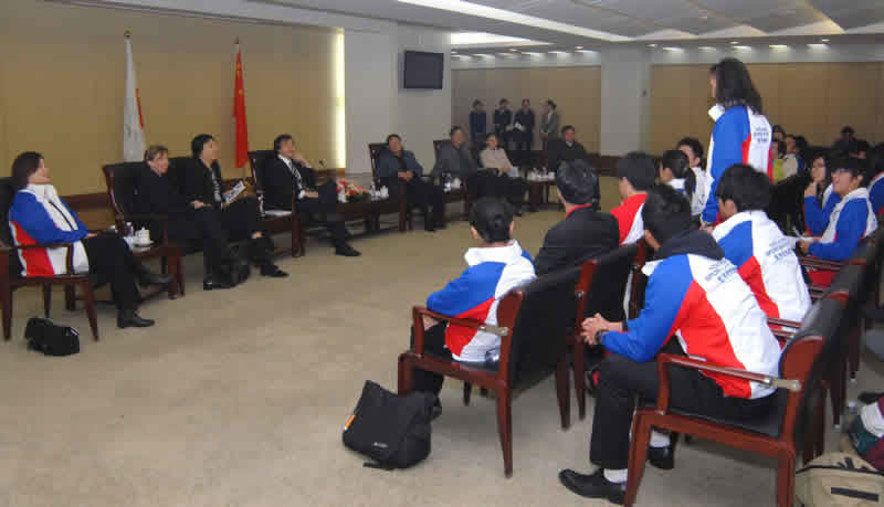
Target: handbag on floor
837	478
51	339
394	431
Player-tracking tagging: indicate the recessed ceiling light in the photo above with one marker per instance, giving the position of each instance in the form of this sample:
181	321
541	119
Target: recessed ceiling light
779	46
824	40
742	47
454	51
735	42
484	11
817	46
706	48
652	45
672	49
578	48
513	49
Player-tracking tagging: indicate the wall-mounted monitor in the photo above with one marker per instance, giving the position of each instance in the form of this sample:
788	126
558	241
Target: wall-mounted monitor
423	70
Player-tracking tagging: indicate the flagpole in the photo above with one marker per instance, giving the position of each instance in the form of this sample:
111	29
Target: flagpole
236	52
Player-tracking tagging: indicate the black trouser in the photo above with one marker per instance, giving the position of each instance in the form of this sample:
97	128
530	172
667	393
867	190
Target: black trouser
621	379
523	142
487	182
419	194
434	344
197	226
242	218
322	210
110	258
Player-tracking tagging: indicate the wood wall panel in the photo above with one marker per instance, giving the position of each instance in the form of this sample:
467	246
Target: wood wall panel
811	99
576	91
62	82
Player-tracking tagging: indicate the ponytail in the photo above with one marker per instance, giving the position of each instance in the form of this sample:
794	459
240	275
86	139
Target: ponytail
677	162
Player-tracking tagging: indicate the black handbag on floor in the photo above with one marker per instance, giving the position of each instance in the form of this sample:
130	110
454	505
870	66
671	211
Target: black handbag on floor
52	339
392	430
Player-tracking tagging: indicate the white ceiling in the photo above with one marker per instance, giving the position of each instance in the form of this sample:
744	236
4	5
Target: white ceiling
645	20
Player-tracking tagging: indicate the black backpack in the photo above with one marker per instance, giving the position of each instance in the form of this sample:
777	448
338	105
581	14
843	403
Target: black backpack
394	431
52	339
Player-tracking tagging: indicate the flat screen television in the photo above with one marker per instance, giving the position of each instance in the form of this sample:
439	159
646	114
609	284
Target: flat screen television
423	70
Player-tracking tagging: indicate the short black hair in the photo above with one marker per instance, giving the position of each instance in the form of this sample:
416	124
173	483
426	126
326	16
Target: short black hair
453	130
277	143
638	169
777	128
503	101
693	143
847	129
666	213
24	166
733	85
876	159
568	127
491	217
855	166
781	147
477	102
746	186
577	182
198	142
391	136
550	103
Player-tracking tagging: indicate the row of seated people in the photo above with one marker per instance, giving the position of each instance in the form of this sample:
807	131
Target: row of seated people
713	290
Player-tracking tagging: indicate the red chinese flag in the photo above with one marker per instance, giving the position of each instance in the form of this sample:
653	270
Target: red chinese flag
239	114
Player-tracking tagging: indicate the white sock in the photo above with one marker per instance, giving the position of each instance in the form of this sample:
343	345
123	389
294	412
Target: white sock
659	439
616	476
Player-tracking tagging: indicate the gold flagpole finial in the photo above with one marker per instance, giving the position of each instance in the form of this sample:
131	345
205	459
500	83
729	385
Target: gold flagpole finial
127	34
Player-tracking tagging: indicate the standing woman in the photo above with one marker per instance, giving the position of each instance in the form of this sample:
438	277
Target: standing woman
38	216
741	134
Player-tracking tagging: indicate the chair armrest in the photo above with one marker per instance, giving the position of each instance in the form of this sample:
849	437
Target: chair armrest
418	312
771	321
664	361
780	328
69	255
821	264
143	216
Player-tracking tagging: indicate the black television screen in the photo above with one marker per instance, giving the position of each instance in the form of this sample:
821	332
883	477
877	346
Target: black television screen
423	70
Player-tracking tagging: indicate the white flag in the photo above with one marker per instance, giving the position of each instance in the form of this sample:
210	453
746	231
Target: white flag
133	123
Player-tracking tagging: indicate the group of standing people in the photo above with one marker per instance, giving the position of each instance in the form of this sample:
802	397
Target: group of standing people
514	130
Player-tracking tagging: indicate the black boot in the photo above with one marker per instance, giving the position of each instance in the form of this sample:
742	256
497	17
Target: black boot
130	318
147	277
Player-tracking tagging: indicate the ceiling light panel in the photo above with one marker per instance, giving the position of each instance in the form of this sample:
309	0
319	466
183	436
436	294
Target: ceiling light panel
569	11
765	15
663	14
852	13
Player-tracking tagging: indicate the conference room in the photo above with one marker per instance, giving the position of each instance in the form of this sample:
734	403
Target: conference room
401	191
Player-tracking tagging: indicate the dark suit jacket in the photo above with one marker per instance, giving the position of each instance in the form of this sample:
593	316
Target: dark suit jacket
457	162
197	182
154	194
389	165
280	184
559	151
582	235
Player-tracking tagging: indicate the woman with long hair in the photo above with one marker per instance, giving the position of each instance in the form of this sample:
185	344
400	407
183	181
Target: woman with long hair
741	134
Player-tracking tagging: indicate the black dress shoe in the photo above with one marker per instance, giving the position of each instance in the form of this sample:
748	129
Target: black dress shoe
347	251
130	318
147	278
662	457
593	486
210	283
272	270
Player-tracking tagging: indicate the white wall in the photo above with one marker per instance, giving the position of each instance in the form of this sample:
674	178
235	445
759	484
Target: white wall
626	102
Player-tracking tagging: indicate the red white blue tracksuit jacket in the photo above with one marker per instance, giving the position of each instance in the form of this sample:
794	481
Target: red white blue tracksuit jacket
740	136
629	219
876	194
492	272
766	260
851	219
39	216
696	294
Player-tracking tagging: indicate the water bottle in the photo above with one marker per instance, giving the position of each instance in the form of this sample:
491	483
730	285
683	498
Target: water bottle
130	230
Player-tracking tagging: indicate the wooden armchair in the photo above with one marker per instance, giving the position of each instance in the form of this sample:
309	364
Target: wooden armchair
11	269
121	181
600	289
775	435
639	280
533	325
278	221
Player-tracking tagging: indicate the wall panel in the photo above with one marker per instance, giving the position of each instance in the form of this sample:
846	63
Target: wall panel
62	84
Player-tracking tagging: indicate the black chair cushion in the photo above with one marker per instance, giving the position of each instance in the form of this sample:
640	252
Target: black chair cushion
7	194
126	177
770	425
609	284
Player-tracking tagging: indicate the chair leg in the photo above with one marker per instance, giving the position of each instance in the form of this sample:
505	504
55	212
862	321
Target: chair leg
173	267
835	381
638	454
786	480
579	367
467	392
505	428
47	299
70	298
405	374
7	313
89	303
821	424
853	350
563	389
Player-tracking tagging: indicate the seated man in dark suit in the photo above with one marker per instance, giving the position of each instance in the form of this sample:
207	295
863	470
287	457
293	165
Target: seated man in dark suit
289	174
565	149
240	216
186	224
584	233
455	160
398	170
